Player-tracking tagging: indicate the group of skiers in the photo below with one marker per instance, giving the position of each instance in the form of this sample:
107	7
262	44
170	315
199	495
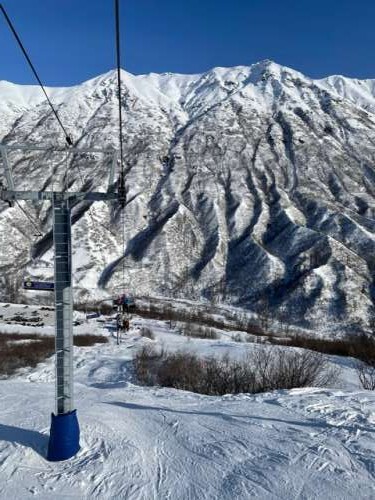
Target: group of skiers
124	304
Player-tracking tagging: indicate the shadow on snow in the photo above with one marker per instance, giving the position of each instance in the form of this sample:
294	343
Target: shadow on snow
25	437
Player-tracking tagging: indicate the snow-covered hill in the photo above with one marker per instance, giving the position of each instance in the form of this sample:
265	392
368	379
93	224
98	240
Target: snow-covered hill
252	185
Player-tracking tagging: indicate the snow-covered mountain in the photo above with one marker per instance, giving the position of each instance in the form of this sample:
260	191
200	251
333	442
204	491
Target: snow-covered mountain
252	185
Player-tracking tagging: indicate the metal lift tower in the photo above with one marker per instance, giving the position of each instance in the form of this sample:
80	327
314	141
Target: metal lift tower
64	434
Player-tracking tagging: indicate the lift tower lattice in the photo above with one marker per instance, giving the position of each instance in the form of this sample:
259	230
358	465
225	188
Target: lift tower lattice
64	435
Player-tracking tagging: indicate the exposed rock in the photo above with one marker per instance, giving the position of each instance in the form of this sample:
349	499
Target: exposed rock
250	185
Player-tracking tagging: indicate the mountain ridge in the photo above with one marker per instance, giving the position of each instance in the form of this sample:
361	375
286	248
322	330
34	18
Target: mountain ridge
252	185
332	81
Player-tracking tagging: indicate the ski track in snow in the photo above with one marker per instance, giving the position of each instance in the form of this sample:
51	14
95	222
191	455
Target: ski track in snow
154	443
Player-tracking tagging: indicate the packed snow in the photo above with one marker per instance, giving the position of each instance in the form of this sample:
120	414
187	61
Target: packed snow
155	443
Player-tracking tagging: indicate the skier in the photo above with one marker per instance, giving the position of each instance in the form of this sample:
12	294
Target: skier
118	322
125	324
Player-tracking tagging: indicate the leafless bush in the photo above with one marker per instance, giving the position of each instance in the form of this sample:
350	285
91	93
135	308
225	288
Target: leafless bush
15	353
11	284
278	368
366	374
86	340
195	315
263	370
264	313
146	362
180	370
197	331
358	346
147	332
365	366
95	306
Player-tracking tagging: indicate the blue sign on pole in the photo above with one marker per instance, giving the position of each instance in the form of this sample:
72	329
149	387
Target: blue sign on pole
39	285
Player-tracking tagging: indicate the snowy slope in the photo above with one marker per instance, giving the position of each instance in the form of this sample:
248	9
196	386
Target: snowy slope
250	185
153	443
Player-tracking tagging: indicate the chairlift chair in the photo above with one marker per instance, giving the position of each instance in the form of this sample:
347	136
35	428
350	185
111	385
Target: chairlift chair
124	302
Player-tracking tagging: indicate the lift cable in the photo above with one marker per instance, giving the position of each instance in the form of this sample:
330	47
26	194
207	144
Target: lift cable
33	223
67	137
118	59
121	187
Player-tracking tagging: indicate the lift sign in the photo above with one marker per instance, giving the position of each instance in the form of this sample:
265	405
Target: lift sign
39	285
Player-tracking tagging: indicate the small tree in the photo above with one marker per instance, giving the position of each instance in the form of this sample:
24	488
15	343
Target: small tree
12	284
264	313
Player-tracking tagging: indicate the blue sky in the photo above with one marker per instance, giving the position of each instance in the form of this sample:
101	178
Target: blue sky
70	41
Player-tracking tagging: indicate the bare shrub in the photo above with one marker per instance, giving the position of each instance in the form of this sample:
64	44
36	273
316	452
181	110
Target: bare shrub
87	339
366	374
197	331
147	332
264	313
365	366
195	315
358	346
279	368
94	307
181	370
263	370
146	362
15	353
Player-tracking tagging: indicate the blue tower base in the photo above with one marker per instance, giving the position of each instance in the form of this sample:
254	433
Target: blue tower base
64	437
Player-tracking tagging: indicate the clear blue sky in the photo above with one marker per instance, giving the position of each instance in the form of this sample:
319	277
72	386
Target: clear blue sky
70	41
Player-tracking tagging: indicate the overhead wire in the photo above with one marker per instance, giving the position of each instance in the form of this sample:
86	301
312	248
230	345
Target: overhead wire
67	136
33	223
32	67
121	187
118	64
12	28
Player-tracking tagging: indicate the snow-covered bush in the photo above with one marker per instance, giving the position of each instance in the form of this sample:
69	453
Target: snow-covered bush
265	369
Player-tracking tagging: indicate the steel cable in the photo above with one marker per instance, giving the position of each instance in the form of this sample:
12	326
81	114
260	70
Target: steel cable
122	170
67	137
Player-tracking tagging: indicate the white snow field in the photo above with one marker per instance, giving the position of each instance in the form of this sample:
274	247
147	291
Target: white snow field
156	443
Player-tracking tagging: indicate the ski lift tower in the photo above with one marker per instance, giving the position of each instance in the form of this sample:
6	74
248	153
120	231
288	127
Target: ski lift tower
64	433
